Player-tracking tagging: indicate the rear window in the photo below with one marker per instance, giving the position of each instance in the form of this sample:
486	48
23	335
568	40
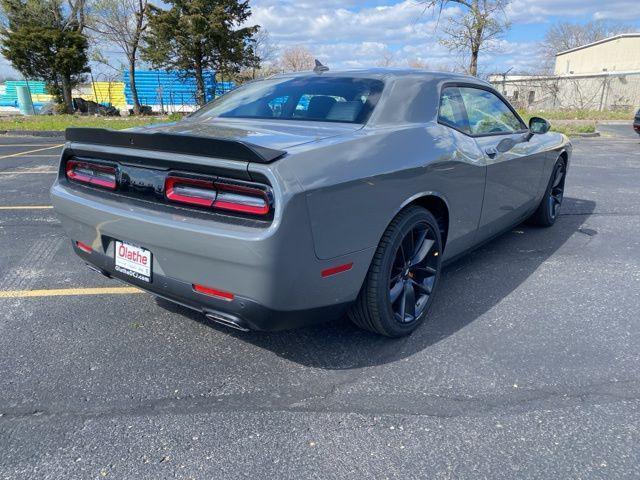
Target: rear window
313	98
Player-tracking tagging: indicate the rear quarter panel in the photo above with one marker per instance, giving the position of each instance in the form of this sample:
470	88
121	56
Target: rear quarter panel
355	187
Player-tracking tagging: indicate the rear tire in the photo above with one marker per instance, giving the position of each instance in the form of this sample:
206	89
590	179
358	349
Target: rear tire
549	208
402	279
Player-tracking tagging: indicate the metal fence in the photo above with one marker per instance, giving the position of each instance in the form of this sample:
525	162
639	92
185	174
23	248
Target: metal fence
606	91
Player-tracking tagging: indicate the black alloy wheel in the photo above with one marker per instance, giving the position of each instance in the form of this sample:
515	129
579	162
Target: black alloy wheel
402	279
413	273
549	208
557	189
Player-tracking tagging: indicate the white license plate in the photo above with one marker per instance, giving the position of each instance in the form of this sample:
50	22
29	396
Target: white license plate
133	261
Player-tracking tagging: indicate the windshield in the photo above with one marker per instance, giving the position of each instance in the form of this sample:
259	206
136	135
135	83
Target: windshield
311	98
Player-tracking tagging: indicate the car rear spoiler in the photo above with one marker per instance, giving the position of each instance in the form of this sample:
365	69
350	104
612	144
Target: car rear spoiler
175	143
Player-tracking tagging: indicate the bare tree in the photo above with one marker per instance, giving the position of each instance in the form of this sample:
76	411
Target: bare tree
264	48
296	59
387	60
483	22
122	23
418	64
563	36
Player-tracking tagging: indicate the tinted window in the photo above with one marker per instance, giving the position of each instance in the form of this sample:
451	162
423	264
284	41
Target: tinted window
452	110
487	113
313	98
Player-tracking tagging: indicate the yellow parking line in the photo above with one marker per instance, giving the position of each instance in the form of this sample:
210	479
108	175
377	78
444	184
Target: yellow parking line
46	155
19	154
24	172
26	207
28	145
65	292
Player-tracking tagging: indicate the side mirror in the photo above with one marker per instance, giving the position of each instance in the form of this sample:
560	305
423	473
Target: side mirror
539	126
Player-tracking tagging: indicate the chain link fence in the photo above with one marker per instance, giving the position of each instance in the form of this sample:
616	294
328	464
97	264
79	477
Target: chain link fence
609	91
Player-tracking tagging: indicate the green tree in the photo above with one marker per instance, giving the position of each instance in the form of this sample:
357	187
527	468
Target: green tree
196	35
43	39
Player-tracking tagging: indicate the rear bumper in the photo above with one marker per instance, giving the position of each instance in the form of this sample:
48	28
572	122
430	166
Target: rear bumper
241	313
272	272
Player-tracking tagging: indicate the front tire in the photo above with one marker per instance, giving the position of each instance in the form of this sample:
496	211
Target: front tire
549	208
402	279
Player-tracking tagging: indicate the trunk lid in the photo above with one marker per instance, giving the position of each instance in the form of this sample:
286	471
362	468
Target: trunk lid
274	134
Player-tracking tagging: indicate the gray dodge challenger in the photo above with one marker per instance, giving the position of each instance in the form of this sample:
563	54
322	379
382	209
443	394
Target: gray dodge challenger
304	197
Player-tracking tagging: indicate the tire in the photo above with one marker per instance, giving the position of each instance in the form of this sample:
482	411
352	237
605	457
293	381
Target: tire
549	208
374	309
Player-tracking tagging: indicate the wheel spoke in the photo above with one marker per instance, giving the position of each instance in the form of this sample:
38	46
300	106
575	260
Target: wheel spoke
409	301
558	178
422	287
403	302
426	268
395	291
422	252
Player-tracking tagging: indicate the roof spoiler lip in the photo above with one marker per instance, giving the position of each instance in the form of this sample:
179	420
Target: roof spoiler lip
175	143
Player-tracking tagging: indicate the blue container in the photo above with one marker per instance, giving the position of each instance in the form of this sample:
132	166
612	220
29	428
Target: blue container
167	88
25	104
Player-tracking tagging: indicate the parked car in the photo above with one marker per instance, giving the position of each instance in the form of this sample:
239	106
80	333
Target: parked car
302	197
636	122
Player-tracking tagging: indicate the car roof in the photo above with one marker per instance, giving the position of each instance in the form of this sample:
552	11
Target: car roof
386	73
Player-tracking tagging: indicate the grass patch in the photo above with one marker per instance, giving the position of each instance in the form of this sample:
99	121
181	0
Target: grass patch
594	115
573	128
61	122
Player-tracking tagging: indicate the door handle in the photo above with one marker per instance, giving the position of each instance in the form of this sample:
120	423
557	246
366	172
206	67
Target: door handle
491	152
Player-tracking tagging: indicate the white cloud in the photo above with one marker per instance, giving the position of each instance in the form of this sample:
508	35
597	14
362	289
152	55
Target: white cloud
351	33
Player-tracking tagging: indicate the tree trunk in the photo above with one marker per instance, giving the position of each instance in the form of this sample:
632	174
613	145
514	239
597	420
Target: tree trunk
137	108
200	94
473	65
67	95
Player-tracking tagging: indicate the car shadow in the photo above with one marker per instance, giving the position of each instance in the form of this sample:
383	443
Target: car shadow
469	288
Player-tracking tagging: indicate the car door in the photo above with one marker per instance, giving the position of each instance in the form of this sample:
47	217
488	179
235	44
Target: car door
514	161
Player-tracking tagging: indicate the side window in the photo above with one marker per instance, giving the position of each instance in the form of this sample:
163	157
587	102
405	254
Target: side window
452	110
277	105
487	113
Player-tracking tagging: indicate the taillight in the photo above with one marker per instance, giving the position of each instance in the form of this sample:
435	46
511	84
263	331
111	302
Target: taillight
190	191
221	194
242	198
91	173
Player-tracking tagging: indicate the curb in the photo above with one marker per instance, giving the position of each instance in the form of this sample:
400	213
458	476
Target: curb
586	135
33	133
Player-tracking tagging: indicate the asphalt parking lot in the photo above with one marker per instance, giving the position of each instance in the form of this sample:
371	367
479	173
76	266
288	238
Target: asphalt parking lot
528	367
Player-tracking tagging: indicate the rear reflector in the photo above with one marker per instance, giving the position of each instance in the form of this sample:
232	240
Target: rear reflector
335	270
212	292
91	173
84	247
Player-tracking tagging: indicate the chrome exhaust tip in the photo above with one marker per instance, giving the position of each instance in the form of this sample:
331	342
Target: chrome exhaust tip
226	320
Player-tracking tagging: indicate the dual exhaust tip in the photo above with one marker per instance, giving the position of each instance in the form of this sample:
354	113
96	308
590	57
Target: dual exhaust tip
226	320
217	317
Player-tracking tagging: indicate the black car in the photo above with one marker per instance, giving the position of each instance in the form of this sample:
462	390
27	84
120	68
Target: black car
636	123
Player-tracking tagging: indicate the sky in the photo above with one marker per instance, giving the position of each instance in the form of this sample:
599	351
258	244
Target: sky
352	33
359	33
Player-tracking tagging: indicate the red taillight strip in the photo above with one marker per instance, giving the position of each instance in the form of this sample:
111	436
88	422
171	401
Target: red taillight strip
335	270
220	194
170	190
256	201
84	247
212	292
82	177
